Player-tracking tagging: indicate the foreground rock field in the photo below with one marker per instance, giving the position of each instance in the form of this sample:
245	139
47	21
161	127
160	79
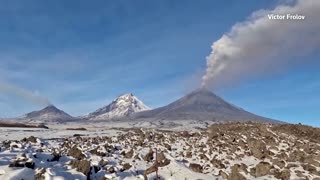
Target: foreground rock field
233	151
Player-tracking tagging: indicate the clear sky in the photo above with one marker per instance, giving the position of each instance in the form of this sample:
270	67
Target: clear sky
82	54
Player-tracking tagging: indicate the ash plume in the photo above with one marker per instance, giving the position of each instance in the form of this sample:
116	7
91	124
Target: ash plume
32	97
260	45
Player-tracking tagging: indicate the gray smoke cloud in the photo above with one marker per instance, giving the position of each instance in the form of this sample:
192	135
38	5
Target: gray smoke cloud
261	45
26	94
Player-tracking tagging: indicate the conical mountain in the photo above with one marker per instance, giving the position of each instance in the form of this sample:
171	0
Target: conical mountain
203	105
48	114
122	106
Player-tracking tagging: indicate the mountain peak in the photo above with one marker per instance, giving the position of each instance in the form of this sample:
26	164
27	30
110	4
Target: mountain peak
49	113
50	107
200	104
123	105
203	97
201	91
126	95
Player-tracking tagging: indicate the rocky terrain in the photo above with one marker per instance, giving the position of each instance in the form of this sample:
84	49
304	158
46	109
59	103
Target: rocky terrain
223	151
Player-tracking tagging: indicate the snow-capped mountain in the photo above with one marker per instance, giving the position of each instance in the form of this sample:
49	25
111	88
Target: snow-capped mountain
122	106
47	114
200	104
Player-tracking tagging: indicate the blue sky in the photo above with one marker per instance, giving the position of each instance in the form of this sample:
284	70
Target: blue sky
81	55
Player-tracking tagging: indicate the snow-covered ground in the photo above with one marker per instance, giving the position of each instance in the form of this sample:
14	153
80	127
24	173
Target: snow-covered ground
119	150
102	128
54	131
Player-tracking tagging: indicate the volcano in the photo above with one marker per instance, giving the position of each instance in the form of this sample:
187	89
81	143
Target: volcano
202	105
48	114
122	106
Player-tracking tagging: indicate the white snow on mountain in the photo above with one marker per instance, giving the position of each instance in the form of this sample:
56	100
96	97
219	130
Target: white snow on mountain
122	106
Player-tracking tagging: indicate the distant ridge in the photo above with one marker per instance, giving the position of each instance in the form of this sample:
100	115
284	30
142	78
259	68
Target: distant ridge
199	105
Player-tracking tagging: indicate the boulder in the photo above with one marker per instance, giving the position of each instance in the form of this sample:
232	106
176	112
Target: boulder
111	170
97	152
30	139
311	169
126	166
39	175
235	174
128	154
82	166
22	163
262	169
258	148
149	156
283	175
217	163
196	167
76	153
162	161
280	163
